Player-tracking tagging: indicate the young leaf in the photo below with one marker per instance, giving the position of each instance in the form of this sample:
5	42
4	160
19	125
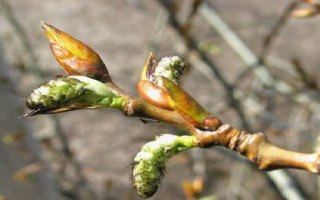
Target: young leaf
150	85
75	57
189	109
171	67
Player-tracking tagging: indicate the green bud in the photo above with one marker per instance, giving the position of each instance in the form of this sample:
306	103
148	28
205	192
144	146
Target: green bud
73	92
149	164
171	67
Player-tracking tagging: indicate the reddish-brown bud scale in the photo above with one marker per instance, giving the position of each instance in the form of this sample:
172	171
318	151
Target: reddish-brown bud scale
75	57
212	122
154	94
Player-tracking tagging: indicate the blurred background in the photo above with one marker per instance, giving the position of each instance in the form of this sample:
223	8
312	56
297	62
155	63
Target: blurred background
250	63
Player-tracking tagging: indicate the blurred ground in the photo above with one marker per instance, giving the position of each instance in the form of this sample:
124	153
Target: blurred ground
104	142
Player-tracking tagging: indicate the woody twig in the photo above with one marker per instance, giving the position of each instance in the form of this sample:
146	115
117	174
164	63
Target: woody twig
88	85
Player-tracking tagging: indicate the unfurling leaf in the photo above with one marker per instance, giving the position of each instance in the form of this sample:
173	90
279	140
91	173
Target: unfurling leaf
150	86
70	93
171	67
75	57
189	109
149	164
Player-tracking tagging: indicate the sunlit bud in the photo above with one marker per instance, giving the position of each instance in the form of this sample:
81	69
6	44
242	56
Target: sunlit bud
189	108
75	57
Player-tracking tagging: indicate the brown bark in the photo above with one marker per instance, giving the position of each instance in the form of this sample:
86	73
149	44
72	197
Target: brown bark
255	147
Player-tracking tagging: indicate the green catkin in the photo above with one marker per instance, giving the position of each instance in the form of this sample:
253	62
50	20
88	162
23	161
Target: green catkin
73	91
171	67
149	164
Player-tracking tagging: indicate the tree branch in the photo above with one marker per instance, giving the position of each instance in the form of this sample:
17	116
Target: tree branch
255	147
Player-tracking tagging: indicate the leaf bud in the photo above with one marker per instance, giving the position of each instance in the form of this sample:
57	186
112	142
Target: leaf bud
75	57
